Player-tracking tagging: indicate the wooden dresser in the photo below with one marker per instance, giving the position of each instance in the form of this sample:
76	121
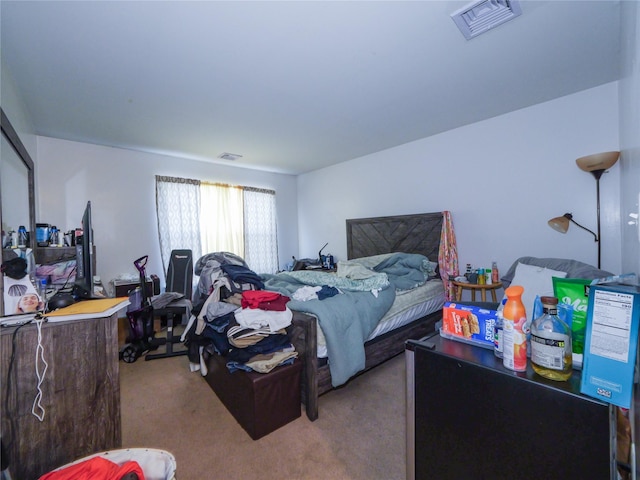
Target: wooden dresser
80	394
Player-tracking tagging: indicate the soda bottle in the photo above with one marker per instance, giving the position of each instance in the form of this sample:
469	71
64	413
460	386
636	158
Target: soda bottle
514	352
495	276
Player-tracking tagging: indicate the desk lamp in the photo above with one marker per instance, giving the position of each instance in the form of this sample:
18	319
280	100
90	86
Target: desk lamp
595	164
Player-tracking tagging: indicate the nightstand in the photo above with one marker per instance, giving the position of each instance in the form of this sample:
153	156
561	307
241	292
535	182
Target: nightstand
474	287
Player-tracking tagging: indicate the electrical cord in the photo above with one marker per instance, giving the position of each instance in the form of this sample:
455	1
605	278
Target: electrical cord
66	280
7	394
37	401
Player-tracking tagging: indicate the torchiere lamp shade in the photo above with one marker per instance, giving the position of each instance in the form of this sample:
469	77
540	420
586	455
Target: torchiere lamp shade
598	161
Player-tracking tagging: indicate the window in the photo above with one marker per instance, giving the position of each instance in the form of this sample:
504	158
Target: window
212	217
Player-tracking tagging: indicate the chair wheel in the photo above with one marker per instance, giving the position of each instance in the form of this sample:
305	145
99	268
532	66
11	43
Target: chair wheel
129	354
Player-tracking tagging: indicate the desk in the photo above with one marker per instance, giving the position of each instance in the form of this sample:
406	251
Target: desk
474	287
80	394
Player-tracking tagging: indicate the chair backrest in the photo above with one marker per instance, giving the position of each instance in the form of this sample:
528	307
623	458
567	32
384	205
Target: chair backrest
180	272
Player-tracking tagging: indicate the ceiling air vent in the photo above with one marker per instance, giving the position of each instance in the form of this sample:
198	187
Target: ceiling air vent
479	17
229	156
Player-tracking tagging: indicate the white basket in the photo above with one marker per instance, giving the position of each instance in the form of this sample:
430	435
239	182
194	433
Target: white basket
156	464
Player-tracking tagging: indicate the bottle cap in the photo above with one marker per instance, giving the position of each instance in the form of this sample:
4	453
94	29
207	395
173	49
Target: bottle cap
549	300
514	290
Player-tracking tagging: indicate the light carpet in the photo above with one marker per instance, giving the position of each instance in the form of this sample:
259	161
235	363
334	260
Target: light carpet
360	432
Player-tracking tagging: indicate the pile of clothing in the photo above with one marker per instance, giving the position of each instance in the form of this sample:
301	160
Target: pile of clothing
238	319
60	273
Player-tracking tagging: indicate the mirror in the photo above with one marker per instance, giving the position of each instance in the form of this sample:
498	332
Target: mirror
17	195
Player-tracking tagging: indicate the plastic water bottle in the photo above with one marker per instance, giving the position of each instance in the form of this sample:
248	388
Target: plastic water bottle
498	332
42	289
22	236
54	236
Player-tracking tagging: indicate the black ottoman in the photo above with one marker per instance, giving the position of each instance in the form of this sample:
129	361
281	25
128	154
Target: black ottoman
260	402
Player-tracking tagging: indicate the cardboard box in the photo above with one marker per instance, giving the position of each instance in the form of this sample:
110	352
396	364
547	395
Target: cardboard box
469	324
122	288
613	317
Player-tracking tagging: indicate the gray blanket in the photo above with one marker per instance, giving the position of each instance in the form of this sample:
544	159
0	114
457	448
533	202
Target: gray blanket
346	319
406	271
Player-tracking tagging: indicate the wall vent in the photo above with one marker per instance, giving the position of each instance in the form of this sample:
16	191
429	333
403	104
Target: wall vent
479	17
229	156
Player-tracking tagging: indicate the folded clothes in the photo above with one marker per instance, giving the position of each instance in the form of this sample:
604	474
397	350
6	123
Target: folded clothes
254	298
272	343
256	318
242	337
264	363
277	305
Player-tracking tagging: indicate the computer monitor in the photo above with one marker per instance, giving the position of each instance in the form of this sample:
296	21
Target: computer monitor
83	287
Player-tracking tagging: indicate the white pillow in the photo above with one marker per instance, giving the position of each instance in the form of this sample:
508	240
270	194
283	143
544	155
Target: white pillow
536	281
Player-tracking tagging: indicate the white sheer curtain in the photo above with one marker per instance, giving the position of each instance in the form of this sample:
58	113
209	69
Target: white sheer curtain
221	225
178	211
261	236
213	217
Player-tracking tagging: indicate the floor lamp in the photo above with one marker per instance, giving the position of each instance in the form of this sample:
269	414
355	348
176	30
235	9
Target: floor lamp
595	164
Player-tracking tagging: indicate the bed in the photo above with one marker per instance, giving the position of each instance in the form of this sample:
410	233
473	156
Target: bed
366	239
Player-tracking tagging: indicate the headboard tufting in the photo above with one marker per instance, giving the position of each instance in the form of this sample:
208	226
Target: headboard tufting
417	233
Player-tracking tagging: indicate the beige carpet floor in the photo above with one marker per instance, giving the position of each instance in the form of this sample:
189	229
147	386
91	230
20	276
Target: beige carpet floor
360	432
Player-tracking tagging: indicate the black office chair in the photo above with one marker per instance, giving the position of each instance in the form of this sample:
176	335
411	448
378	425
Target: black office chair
179	280
180	273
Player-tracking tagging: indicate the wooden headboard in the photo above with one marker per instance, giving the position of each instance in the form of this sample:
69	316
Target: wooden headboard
417	233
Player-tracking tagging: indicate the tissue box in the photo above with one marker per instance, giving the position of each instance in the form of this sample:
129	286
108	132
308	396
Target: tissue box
468	324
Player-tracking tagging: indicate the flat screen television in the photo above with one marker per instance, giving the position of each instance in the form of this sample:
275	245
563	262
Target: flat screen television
83	287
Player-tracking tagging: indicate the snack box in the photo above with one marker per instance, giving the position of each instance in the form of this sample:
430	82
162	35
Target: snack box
468	324
610	350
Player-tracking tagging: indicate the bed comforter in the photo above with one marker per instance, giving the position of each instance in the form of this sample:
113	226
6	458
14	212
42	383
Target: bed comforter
347	319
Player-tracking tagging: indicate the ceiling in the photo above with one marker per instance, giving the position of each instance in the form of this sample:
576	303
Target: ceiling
290	86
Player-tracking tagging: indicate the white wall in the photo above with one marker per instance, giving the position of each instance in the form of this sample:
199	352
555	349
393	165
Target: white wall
502	179
121	186
14	107
630	136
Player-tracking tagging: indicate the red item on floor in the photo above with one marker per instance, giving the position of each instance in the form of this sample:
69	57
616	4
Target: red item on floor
97	468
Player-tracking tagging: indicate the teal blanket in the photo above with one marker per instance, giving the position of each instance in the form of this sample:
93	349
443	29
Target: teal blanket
346	319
